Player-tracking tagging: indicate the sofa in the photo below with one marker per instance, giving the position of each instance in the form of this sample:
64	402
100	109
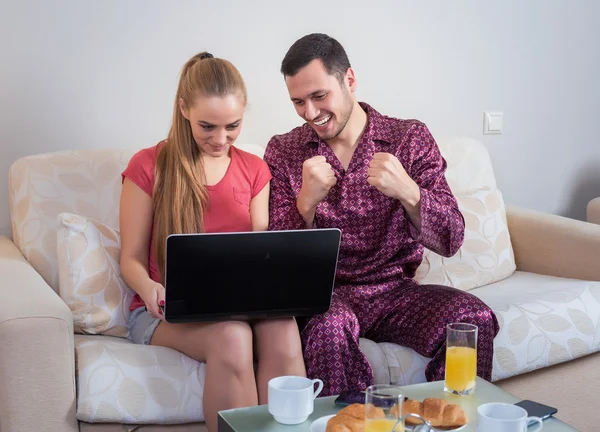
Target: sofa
593	211
66	363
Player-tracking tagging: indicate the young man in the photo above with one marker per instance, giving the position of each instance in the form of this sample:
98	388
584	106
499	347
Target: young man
381	181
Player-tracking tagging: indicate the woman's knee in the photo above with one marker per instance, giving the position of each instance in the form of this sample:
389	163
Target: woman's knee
231	346
281	339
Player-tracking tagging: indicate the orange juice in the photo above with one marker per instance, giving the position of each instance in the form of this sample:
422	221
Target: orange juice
461	368
382	425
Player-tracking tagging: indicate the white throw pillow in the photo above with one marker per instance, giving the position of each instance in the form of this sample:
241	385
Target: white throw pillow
486	255
89	274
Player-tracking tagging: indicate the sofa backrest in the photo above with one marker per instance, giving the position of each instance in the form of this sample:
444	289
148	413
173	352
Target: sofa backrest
88	182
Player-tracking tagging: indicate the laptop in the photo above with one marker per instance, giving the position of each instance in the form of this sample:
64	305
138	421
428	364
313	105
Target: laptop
250	275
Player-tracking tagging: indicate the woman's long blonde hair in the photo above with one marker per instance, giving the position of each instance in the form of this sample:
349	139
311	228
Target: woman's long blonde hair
180	195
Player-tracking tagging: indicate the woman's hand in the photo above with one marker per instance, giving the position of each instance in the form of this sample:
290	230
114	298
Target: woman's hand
154	297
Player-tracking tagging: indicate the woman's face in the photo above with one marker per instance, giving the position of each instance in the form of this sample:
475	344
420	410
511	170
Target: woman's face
216	122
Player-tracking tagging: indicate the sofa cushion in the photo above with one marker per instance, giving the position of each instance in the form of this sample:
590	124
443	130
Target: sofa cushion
469	164
42	186
544	320
119	381
486	255
393	363
90	280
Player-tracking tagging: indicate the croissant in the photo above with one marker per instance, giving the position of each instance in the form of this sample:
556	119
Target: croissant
438	412
352	418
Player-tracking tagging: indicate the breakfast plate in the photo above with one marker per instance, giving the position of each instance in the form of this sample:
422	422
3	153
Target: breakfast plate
419	428
320	424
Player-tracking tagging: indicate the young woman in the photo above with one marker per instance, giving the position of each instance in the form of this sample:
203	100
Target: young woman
197	181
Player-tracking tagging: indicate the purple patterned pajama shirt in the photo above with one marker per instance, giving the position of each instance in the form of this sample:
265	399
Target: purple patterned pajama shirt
375	295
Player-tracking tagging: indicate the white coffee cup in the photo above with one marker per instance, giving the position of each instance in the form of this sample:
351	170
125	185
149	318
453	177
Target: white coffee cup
291	398
504	417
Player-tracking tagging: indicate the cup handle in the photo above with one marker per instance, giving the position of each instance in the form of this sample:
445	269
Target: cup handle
317	381
537	420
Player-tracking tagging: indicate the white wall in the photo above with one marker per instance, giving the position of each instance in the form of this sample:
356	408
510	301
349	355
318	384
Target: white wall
90	74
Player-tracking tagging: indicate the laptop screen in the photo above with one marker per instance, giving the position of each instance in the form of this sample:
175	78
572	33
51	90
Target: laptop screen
250	275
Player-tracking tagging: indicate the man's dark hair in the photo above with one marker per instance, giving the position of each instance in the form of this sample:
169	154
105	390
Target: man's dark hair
316	46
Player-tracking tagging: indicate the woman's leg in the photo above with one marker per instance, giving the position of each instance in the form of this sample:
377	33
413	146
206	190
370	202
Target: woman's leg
226	347
279	352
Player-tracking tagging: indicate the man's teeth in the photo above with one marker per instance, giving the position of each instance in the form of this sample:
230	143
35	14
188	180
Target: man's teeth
322	122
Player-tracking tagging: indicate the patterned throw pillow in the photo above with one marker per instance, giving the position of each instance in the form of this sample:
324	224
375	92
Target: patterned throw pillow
89	275
486	255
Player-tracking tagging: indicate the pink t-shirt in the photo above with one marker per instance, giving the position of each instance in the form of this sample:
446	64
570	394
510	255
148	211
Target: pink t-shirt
229	200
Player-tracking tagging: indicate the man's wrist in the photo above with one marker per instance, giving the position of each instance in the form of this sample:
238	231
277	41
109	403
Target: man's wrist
305	208
412	198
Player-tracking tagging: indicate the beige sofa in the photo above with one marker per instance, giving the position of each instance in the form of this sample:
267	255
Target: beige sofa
539	273
593	211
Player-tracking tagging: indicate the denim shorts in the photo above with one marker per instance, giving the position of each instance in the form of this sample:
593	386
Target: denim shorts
141	326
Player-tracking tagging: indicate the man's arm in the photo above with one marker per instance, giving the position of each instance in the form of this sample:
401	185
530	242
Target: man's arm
388	175
283	211
413	209
442	226
307	210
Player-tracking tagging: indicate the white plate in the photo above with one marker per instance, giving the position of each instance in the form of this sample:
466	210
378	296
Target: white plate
320	424
410	428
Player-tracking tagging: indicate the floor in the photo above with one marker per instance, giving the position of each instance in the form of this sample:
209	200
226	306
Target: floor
572	387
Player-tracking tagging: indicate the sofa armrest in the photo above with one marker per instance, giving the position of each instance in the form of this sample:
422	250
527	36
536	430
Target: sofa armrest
37	357
593	211
554	245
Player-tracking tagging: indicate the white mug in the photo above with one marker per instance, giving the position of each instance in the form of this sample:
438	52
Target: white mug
291	398
504	417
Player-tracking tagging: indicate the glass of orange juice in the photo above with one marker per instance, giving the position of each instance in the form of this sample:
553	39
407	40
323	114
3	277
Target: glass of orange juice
383	408
461	358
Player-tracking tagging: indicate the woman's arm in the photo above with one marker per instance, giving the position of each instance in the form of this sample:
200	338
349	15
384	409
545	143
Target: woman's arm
259	209
135	220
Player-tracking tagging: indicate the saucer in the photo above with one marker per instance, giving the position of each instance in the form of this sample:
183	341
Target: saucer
320	424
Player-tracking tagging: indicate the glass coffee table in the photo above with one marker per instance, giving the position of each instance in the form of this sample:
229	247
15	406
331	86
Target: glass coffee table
257	418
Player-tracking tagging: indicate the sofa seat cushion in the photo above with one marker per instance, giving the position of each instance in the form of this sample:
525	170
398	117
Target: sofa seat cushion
393	363
544	320
122	382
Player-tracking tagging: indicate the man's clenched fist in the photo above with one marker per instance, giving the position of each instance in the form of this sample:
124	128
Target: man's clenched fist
317	180
388	175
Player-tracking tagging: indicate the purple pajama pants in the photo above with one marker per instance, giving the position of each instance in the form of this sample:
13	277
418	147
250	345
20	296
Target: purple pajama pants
404	313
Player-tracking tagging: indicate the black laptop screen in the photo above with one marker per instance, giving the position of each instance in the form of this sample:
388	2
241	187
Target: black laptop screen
246	275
